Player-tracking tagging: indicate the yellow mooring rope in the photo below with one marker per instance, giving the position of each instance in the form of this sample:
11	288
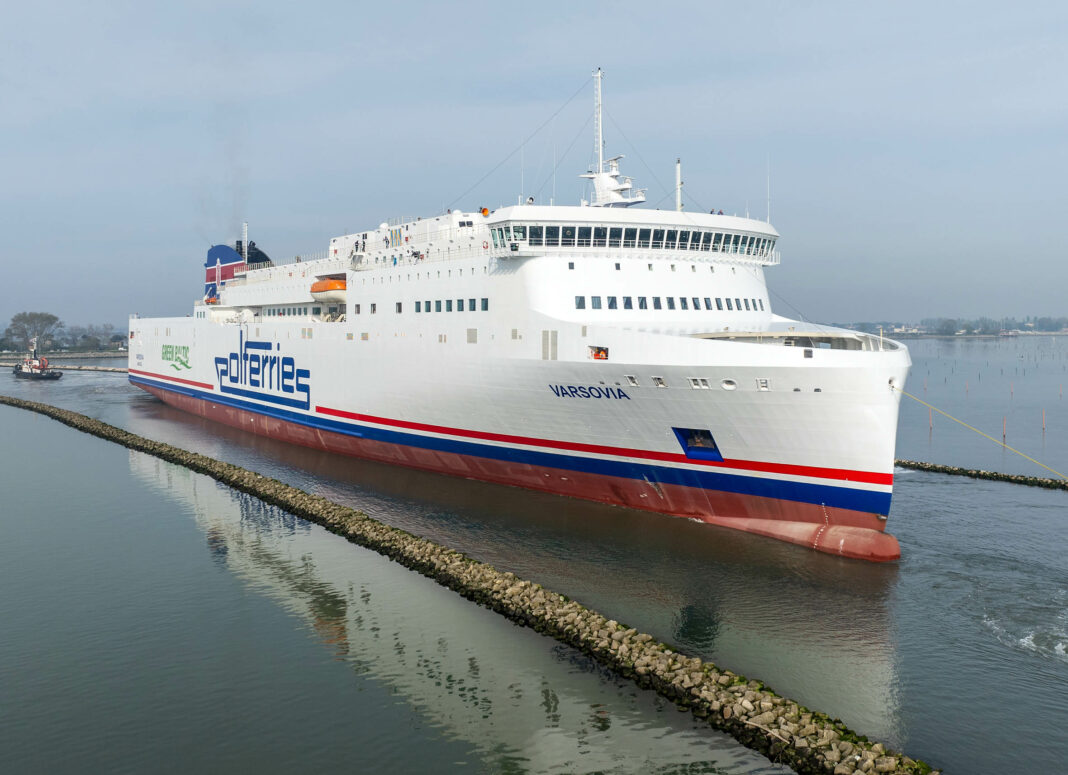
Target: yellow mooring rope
973	428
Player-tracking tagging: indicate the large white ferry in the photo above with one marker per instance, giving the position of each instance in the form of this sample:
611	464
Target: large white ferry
601	351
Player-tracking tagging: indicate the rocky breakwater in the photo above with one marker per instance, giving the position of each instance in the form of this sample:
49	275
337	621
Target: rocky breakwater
1030	481
781	729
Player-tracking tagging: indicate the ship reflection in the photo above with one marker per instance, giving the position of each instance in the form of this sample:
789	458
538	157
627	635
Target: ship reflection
814	627
527	703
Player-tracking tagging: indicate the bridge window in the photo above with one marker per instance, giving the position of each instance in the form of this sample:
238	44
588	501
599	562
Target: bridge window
643	238
567	236
600	236
717	242
658	239
552	236
535	236
584	240
735	243
671	239
615	237
706	241
630	236
519	232
684	240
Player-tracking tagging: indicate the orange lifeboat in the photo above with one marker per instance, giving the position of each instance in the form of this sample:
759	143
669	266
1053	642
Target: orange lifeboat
329	290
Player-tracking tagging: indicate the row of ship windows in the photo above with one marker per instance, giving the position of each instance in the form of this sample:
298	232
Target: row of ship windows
612	302
622	237
439	305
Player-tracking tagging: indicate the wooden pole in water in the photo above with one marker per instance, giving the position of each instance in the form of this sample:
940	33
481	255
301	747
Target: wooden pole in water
930	420
1043	420
1003	427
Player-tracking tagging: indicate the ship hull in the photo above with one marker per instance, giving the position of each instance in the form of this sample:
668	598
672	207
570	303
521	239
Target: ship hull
845	516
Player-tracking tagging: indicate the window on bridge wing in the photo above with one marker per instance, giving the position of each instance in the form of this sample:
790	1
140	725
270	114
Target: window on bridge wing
552	236
643	238
630	236
600	236
658	239
519	232
535	235
584	236
615	237
567	236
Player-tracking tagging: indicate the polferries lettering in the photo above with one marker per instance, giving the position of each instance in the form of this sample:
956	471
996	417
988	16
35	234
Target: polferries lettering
257	365
587	391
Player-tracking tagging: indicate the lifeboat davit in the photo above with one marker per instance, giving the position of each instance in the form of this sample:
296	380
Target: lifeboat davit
329	290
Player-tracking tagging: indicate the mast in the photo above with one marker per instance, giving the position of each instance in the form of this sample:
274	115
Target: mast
610	187
244	243
598	128
678	184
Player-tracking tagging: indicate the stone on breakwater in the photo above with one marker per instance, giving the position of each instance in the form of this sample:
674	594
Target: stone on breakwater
1030	481
754	715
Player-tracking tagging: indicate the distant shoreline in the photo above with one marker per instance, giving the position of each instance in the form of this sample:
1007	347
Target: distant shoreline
975	336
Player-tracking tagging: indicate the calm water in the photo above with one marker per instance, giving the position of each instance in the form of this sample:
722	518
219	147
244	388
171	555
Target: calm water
957	653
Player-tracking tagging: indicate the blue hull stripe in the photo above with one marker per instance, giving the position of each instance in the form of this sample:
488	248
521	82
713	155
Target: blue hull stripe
873	502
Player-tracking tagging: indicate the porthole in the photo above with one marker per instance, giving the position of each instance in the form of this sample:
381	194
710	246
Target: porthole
728	384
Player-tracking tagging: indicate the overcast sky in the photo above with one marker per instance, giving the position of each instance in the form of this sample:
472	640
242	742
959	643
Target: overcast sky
918	151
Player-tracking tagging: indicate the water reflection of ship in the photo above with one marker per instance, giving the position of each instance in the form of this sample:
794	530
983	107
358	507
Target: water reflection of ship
806	623
466	669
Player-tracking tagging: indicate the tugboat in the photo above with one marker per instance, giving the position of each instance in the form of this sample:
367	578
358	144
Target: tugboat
34	367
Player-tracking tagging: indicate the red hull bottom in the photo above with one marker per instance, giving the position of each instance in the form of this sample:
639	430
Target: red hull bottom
837	531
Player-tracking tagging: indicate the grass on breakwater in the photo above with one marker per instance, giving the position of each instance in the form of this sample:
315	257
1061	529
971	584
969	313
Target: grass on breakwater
783	730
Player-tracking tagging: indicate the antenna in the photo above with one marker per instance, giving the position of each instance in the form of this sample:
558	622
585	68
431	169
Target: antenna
598	128
678	184
244	242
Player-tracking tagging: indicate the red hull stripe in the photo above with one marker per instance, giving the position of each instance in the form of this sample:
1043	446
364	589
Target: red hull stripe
867	477
169	378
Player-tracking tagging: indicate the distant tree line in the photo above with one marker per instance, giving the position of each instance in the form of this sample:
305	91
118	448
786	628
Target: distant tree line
53	335
984	325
